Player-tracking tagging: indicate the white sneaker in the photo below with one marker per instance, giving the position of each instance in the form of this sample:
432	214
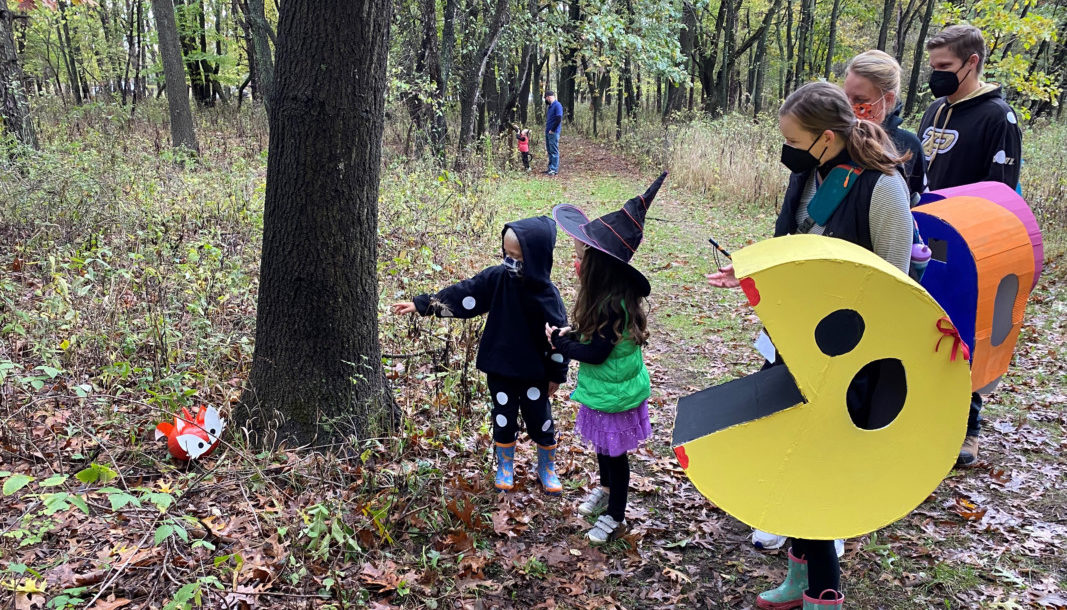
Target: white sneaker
767	542
595	502
606	529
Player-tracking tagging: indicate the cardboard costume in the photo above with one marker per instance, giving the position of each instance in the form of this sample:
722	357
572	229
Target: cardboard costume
985	252
787	436
1007	198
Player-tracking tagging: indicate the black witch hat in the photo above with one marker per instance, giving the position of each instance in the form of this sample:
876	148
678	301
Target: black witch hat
617	234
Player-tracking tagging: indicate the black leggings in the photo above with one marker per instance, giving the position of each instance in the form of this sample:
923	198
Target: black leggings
615	475
824	572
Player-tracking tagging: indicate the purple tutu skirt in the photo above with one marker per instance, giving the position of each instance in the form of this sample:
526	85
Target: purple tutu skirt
614	433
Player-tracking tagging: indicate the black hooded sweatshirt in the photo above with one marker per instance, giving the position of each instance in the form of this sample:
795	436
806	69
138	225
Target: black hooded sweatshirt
513	341
905	141
974	140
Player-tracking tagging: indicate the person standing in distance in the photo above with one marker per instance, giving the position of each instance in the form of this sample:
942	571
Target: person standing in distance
553	123
969	134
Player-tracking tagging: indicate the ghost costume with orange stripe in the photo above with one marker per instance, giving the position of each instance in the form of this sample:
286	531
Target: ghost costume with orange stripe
514	352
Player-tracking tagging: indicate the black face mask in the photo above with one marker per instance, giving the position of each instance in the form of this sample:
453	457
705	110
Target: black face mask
801	160
945	82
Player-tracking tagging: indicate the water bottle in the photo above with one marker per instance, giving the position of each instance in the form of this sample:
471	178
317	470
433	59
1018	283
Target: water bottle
920	257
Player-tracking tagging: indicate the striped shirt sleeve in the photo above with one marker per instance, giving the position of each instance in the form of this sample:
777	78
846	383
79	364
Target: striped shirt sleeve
890	221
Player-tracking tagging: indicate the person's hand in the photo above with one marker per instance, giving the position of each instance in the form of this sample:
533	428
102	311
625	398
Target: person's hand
549	329
564	330
402	308
724	278
552	387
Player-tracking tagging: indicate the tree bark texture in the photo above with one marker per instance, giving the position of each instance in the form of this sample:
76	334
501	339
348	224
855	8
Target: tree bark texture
675	94
471	81
181	117
264	61
316	372
883	29
568	64
917	58
14	109
832	43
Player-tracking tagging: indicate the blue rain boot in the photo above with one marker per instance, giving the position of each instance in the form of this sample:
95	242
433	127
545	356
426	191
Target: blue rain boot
789	594
546	470
505	466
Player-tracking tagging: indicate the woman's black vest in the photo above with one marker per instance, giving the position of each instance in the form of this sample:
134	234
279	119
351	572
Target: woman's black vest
851	221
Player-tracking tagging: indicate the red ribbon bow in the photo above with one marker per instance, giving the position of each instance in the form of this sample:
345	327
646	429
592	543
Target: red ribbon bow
958	344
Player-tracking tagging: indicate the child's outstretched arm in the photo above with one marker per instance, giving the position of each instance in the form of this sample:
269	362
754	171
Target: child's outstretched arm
465	299
556	364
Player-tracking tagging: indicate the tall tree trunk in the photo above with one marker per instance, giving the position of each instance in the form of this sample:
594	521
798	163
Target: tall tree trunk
726	71
594	96
261	36
140	88
568	63
631	95
471	81
675	94
803	42
883	28
448	41
759	59
66	49
904	20
832	44
14	109
522	109
535	90
181	117
917	58
245	22
618	108
316	372
789	50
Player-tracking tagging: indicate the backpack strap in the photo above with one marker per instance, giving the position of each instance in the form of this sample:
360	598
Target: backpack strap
832	192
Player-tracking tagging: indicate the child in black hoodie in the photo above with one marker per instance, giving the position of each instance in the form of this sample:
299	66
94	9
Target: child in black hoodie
522	369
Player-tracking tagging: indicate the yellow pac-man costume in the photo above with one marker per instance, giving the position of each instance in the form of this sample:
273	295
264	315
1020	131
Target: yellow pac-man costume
871	402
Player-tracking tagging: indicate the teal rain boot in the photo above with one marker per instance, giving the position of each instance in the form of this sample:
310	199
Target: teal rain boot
546	470
505	466
790	593
827	599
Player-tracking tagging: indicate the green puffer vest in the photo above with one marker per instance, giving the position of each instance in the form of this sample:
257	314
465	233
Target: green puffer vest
618	384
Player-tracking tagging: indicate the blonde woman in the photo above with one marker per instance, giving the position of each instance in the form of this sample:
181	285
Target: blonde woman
872	84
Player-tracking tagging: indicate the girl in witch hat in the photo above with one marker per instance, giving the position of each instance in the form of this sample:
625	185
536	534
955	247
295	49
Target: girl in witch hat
610	326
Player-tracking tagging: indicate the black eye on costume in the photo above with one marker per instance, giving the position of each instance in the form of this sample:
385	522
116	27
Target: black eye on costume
839	332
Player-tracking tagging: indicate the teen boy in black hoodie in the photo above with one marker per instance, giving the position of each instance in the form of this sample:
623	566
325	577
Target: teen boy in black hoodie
969	134
521	368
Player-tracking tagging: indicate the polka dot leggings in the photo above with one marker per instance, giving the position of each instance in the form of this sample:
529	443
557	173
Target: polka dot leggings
512	396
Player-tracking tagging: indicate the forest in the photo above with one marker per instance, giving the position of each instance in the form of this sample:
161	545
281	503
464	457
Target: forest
221	203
